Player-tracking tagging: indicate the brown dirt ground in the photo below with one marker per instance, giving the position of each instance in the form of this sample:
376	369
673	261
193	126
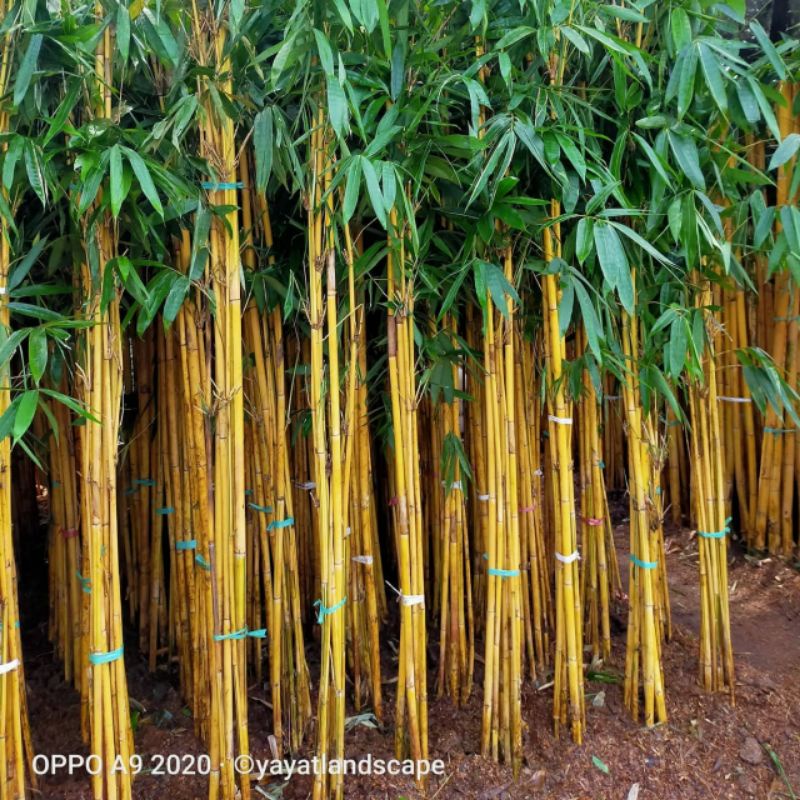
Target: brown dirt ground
695	755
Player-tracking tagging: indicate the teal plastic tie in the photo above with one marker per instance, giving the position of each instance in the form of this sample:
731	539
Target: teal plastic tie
131	490
105	658
165	510
213	186
248	492
324	610
778	431
56	484
643	564
222	637
85	582
262	509
281	523
202	562
186	544
717	534
503	573
260	633
144	482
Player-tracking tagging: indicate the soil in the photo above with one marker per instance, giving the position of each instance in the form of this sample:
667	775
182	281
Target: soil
708	749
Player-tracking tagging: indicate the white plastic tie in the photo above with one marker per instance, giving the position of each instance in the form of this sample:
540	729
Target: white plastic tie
560	420
612	397
347	531
307	485
484	498
538	473
362	559
3	290
454	485
9	666
568	559
725	399
407	599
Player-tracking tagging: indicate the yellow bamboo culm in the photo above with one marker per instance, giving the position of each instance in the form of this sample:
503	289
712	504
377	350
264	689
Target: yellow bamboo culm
15	739
646	579
716	652
568	701
775	484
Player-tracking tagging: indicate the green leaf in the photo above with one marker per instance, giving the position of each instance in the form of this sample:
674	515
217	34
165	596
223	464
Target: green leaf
600	765
35	172
685	152
591	322
769	49
262	146
577	40
383	18
37	353
123	32
177	294
325	52
678	342
614	263
713	76
20	270
145	180
10	343
688	67
680	28
351	189
27	67
12	156
26	411
374	190
787	148
117	190
337	107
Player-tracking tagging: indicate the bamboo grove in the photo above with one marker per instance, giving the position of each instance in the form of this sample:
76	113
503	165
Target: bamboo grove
335	330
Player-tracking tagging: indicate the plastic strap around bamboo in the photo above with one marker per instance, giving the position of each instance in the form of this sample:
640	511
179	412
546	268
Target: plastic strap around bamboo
143	482
105	658
778	431
261	633
324	611
407	599
85	583
307	485
454	485
362	559
642	564
69	533
496	572
213	186
717	534
202	562
248	492
539	473
186	544
560	420
568	559
483	498
723	398
165	510
3	290
262	509
9	666
594	522
612	397
280	523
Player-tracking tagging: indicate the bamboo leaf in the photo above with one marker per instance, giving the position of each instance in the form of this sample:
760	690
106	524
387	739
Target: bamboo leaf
713	76
117	193
27	67
262	147
325	52
685	151
769	49
123	32
337	107
785	151
26	411
145	180
374	190
37	353
614	263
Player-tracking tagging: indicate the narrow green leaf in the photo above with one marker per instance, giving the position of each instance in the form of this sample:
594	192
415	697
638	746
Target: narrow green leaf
123	31
374	190
37	353
614	263
117	193
27	67
769	49
145	180
325	52
263	146
352	188
685	151
786	149
713	76
25	413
